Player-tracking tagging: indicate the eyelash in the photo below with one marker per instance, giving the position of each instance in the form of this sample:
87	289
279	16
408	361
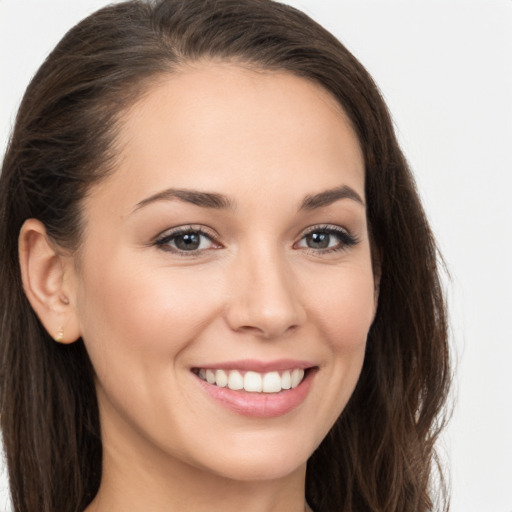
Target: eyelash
163	241
346	240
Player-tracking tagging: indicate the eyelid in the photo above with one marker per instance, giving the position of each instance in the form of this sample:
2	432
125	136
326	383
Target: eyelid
163	238
185	228
333	228
348	239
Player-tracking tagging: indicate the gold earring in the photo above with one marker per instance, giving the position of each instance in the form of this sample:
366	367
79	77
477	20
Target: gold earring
59	338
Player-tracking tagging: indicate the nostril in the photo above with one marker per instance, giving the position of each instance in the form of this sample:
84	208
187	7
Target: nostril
267	332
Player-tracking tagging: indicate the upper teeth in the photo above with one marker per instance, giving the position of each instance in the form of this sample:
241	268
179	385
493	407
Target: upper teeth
271	382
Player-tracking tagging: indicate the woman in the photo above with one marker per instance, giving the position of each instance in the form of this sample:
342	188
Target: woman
220	288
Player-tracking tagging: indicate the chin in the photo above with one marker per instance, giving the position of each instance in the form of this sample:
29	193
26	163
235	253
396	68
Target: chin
260	461
258	471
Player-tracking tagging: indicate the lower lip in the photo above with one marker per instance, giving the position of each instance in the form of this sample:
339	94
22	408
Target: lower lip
260	405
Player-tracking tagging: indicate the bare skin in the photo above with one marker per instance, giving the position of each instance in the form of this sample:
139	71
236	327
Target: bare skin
168	284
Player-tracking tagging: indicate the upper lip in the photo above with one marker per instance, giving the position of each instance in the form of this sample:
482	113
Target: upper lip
259	366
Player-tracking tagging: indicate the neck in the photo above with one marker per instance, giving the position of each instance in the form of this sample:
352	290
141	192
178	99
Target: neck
193	490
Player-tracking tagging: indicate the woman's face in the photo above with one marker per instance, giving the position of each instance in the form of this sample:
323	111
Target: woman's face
228	249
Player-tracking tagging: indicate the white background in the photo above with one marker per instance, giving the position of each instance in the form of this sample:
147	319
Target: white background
445	69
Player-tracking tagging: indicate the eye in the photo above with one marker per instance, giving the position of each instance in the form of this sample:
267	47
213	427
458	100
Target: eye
327	239
186	240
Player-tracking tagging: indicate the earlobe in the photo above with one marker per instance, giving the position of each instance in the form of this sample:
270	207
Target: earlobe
45	276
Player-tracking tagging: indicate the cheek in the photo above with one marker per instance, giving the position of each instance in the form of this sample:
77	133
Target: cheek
345	313
346	308
341	311
142	315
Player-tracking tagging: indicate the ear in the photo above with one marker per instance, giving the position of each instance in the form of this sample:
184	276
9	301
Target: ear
376	288
48	281
377	273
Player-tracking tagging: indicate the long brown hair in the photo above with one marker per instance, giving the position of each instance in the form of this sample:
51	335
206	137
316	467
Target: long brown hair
380	454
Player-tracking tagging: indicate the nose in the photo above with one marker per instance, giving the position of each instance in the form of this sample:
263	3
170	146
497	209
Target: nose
264	299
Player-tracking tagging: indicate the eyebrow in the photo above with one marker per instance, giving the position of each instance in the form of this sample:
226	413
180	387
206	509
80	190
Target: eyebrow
327	197
219	201
202	199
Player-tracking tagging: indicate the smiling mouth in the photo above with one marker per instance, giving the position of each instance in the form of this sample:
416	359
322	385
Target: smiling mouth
251	381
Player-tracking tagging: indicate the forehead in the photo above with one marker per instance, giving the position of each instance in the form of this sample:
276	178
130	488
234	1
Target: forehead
214	124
